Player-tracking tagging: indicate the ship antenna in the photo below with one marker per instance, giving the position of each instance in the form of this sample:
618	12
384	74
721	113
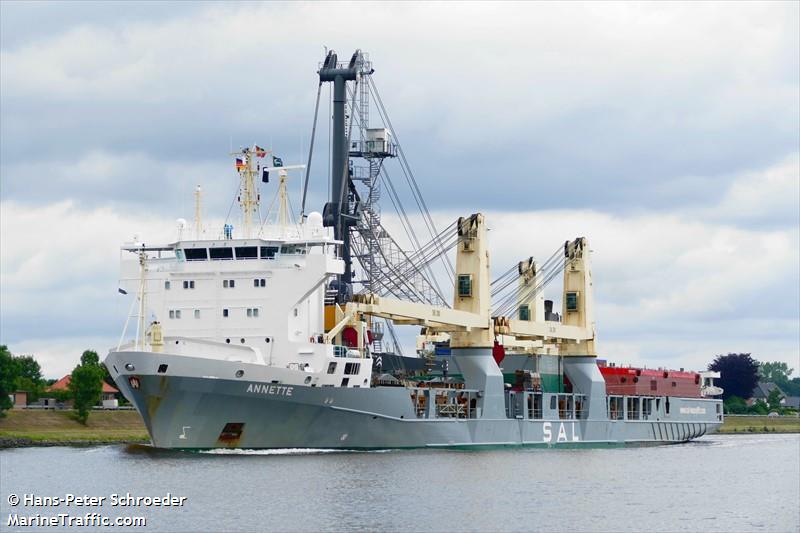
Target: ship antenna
198	214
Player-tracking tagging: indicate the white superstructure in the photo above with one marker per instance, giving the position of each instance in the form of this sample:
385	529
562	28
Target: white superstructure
257	300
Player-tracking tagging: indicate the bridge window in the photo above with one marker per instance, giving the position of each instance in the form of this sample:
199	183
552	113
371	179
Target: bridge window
221	254
268	252
465	285
196	254
293	249
246	252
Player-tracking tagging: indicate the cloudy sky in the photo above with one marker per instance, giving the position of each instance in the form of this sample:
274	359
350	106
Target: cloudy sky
667	133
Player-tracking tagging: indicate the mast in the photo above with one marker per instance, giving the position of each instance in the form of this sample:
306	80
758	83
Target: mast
249	197
283	200
337	211
198	222
140	323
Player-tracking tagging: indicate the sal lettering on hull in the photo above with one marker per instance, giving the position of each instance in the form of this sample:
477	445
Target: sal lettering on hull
276	390
547	430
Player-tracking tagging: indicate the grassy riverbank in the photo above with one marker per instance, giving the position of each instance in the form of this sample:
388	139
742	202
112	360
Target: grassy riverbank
760	424
34	427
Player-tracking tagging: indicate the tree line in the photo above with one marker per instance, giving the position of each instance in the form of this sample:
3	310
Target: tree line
740	376
23	373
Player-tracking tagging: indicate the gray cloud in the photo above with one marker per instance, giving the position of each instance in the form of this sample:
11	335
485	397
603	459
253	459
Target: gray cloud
619	110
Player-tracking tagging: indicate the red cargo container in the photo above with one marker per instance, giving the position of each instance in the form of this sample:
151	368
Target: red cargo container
642	382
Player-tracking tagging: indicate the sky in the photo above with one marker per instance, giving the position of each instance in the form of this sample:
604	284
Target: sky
668	134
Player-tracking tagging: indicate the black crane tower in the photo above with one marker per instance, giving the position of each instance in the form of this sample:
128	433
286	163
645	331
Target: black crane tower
337	212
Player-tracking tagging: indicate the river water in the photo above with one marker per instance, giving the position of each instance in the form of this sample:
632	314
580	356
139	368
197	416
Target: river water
718	483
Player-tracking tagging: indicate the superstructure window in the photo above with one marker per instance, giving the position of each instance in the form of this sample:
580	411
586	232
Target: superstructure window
221	254
268	252
188	284
465	285
252	312
175	313
259	282
293	249
225	313
352	368
167	285
331	368
196	254
197	313
246	252
524	312
228	283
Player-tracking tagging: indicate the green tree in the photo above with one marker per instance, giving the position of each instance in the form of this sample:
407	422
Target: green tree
739	374
775	372
774	398
29	377
791	387
8	376
86	384
758	408
735	406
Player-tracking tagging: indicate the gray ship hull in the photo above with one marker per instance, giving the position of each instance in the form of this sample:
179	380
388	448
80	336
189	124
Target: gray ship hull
210	412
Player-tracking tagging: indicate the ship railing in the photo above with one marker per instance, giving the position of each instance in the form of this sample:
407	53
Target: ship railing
444	403
571	406
616	408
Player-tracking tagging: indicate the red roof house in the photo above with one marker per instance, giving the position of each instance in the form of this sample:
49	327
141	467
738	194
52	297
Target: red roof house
63	384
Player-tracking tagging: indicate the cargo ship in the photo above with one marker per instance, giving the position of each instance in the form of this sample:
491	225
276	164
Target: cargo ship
274	334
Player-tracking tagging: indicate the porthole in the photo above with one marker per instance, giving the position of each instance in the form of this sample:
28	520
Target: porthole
241	340
129	367
239	373
228	341
266	340
307	380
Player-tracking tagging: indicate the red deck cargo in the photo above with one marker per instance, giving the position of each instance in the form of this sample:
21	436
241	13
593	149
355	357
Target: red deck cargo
623	381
